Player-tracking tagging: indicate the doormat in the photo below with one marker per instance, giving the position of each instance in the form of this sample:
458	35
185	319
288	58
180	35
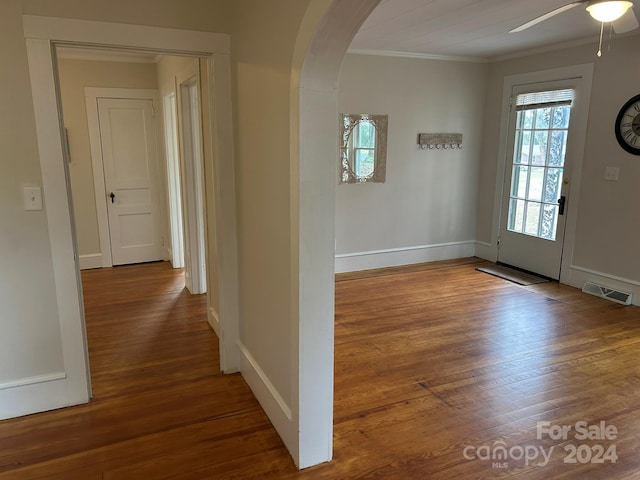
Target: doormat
513	275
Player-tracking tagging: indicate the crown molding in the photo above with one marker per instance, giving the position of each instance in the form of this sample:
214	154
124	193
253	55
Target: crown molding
495	59
423	56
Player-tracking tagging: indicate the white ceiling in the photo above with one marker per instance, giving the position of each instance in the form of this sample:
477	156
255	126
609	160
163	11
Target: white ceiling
472	28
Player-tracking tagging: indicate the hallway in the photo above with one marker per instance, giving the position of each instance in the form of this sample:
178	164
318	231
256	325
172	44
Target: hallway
160	406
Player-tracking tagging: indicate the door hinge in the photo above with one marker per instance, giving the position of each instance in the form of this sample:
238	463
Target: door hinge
153	110
510	101
498	242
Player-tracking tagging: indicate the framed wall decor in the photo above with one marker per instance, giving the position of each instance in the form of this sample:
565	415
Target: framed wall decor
363	148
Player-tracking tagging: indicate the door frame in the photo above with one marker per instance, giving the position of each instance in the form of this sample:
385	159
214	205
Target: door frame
582	76
42	34
91	95
192	177
174	188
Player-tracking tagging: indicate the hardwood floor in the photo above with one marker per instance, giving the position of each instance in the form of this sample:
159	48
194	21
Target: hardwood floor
161	406
432	361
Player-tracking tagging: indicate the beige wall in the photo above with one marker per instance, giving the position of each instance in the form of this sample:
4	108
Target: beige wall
172	72
263	34
263	40
30	343
213	262
607	235
429	196
75	75
204	15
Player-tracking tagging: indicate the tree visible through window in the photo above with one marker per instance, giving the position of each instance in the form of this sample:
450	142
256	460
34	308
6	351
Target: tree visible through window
542	126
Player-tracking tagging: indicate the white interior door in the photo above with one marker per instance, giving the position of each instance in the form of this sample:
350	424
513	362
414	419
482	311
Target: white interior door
129	154
536	188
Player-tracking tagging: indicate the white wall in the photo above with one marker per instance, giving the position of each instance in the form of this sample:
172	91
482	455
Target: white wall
74	76
426	210
607	233
30	343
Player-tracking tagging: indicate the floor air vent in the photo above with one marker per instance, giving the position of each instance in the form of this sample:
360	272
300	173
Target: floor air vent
608	293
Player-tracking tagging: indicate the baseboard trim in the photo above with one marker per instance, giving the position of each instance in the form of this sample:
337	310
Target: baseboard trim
486	251
93	260
33	394
393	257
269	398
579	275
625	281
21	382
214	320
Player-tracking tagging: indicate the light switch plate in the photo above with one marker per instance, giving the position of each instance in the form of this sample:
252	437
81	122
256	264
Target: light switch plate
32	197
611	174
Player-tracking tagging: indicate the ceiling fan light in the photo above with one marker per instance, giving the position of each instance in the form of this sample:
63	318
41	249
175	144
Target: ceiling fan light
607	11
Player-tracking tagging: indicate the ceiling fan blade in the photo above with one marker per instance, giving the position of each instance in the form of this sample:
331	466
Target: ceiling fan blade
546	16
626	23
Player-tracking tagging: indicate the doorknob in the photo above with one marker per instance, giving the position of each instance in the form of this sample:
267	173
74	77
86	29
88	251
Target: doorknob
113	197
561	202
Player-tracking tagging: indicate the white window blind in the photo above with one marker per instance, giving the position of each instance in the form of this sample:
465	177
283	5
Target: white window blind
551	98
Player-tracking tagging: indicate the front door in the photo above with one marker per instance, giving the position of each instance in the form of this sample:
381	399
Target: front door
129	154
536	189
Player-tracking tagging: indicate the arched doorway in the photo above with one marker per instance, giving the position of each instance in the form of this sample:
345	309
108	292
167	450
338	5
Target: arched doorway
325	34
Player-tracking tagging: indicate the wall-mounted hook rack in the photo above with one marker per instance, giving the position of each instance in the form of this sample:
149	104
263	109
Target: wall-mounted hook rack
440	141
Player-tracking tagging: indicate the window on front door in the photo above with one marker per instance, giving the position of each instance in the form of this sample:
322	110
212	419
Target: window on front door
542	125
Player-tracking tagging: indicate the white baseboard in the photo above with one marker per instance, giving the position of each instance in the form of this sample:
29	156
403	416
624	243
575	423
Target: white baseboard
214	320
579	275
393	257
25	396
93	260
486	251
270	399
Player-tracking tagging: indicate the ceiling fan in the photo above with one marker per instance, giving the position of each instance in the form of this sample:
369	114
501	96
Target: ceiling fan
619	13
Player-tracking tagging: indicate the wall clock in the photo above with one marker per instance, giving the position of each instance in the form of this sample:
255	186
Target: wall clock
628	126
